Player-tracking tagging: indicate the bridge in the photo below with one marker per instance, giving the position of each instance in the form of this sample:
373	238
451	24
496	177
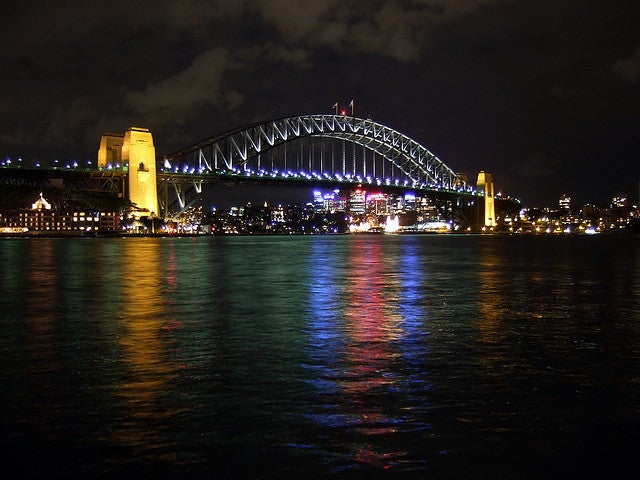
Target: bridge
321	151
330	151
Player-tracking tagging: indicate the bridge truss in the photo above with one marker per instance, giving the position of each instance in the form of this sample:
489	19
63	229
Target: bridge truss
112	181
330	149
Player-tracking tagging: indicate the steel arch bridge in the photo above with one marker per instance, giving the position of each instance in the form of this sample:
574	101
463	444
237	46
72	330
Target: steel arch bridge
334	149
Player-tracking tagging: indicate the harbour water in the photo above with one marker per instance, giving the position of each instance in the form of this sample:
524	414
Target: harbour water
388	356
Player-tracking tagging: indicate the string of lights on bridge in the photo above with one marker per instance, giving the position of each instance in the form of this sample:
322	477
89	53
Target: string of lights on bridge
403	162
203	172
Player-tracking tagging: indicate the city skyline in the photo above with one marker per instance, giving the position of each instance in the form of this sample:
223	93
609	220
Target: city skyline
329	211
540	94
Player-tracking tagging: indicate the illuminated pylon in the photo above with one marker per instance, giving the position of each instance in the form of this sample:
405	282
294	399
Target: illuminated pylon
110	151
485	185
140	154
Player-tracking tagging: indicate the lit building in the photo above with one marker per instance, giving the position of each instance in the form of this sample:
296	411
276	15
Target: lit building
109	221
278	215
409	201
564	203
41	204
42	218
357	201
396	204
329	202
619	202
427	209
318	201
378	204
340	201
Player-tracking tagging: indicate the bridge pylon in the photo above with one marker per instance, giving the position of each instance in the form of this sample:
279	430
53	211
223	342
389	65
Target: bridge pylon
485	185
138	151
135	153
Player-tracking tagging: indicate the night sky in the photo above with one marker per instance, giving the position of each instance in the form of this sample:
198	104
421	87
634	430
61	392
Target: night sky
543	94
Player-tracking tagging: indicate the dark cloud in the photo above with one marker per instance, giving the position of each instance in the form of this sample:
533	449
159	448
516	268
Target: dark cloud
533	91
201	83
629	69
536	167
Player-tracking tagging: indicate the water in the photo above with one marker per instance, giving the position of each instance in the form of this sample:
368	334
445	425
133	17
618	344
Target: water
321	356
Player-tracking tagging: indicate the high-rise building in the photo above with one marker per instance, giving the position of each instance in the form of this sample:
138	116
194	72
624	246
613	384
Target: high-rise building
329	201
378	204
357	201
318	201
565	203
619	201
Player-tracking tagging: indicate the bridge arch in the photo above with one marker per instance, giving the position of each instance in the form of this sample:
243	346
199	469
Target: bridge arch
241	150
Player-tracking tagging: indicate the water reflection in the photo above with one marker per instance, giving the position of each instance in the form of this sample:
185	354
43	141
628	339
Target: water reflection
371	323
367	348
492	309
149	374
418	356
44	342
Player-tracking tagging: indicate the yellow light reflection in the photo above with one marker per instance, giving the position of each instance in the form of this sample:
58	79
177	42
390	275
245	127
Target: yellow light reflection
491	303
144	352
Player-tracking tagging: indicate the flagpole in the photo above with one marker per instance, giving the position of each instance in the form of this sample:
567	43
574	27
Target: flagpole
351	107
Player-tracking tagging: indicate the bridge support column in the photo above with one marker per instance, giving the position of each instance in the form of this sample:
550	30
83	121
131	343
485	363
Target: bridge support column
140	154
110	151
485	184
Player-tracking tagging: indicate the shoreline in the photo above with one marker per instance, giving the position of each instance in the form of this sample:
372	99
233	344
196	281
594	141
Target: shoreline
29	235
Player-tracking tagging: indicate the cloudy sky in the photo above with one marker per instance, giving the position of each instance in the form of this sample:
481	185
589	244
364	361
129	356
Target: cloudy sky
545	94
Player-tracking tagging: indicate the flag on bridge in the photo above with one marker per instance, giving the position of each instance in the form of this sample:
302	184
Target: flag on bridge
336	107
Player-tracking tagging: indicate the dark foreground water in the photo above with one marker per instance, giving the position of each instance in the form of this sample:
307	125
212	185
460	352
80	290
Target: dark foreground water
327	356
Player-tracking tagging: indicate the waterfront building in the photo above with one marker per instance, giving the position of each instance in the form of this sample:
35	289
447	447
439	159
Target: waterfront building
409	201
329	201
318	201
427	209
109	221
42	218
357	201
378	204
278	215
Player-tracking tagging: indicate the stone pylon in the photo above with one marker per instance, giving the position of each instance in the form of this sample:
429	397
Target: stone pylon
485	185
140	155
